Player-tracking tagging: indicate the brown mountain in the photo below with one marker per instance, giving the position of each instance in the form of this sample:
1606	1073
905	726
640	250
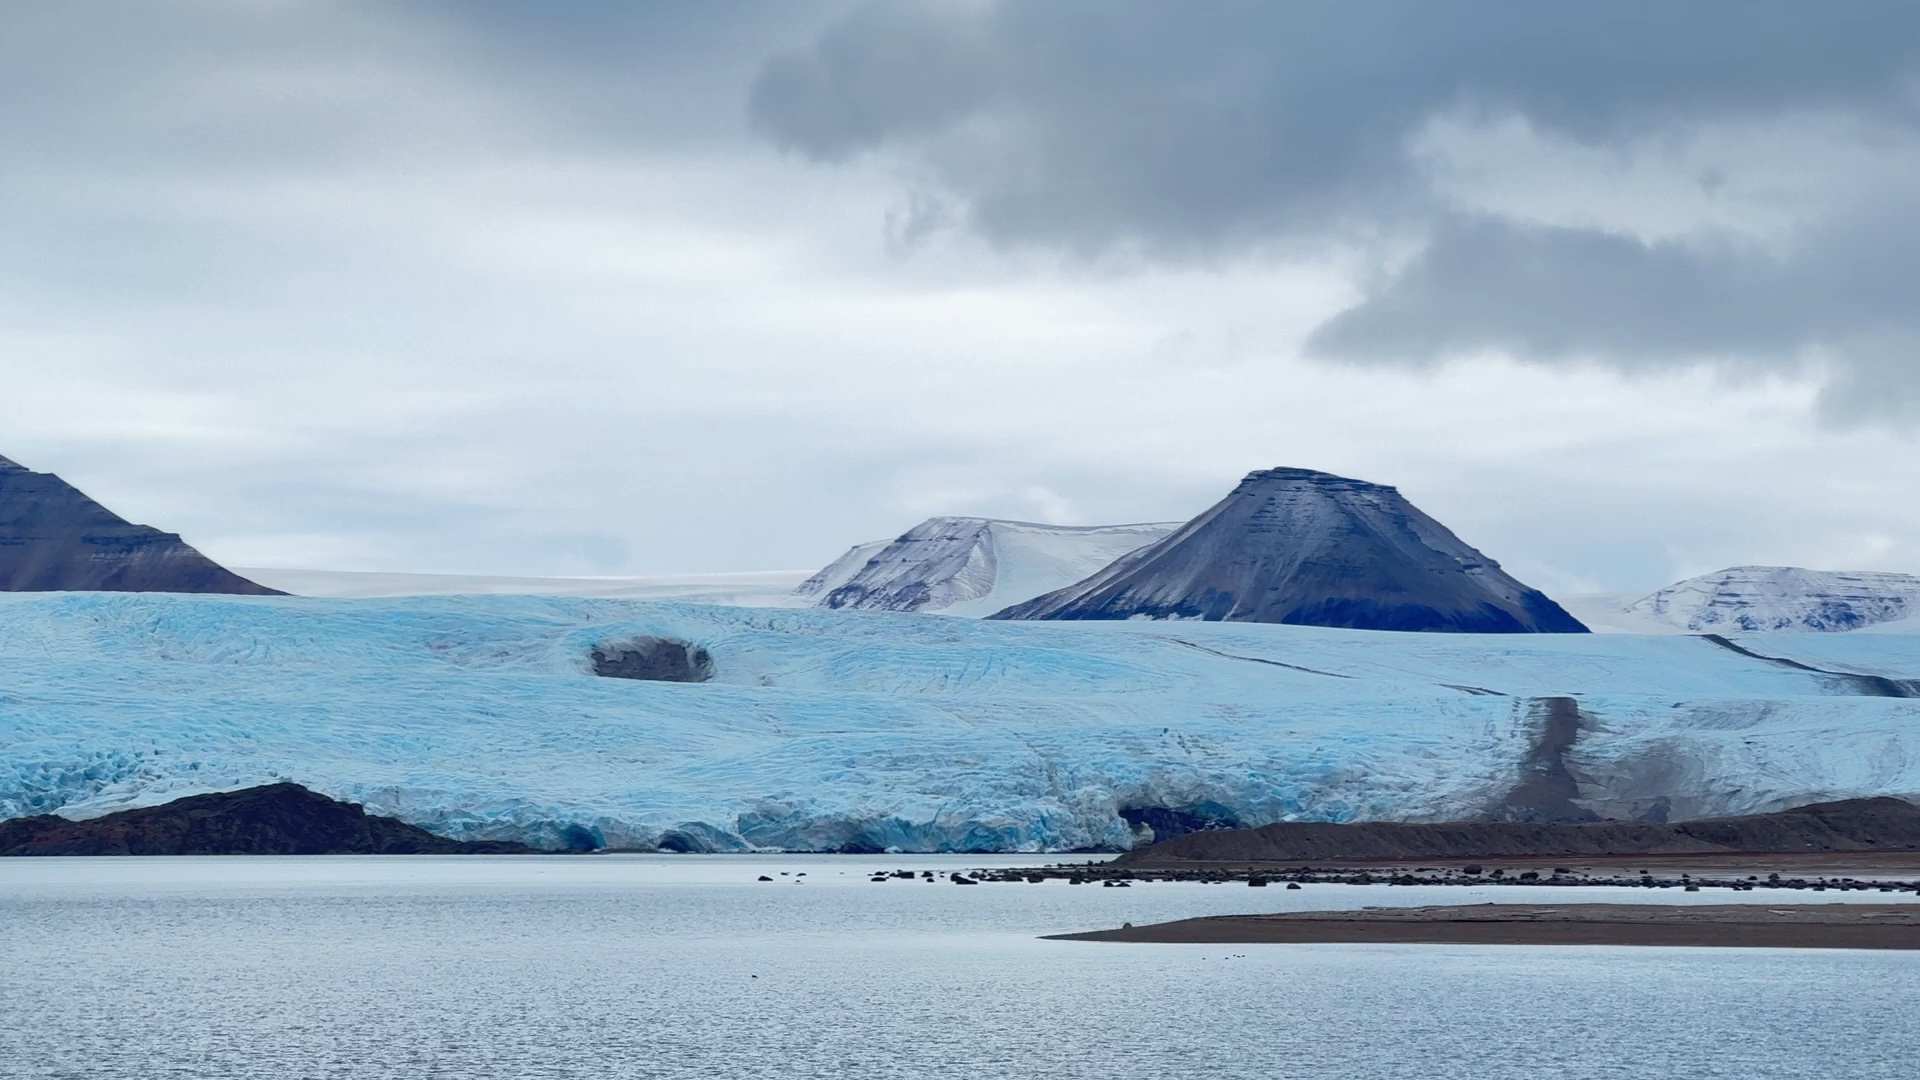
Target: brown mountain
53	538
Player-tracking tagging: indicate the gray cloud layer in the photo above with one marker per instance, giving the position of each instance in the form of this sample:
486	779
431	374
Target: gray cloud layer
1195	129
489	286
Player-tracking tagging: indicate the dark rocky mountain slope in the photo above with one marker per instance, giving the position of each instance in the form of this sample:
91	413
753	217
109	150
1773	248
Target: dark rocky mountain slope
1310	548
277	819
1878	824
53	538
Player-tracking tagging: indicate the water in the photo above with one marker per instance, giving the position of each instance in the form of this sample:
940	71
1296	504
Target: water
687	967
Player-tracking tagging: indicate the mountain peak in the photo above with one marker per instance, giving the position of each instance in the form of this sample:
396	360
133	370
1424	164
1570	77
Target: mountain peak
1292	545
53	538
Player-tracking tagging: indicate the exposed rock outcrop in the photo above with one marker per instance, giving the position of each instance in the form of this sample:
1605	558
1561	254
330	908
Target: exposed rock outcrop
1305	547
653	659
277	819
53	538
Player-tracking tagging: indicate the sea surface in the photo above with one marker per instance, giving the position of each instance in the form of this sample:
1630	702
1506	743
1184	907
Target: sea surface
687	966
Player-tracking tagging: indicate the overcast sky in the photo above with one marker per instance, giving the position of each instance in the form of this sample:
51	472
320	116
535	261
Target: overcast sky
1619	292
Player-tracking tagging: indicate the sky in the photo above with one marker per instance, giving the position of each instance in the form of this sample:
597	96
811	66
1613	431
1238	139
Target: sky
1621	293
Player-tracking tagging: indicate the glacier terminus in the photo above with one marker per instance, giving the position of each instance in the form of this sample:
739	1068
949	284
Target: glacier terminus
481	717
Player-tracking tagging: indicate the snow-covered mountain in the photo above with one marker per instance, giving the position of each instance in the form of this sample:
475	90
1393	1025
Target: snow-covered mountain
1761	599
54	538
1310	548
481	717
971	566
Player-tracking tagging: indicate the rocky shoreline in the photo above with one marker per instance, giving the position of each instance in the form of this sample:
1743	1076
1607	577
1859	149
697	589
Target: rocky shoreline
1806	926
1895	873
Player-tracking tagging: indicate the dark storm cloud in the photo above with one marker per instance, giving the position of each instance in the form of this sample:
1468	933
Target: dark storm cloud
1561	294
1187	130
1091	123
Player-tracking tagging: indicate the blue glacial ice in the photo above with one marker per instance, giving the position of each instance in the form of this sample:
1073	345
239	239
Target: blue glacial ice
826	730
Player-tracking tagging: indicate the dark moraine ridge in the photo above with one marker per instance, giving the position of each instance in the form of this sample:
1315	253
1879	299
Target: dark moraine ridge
53	538
1313	549
277	819
1872	825
1547	789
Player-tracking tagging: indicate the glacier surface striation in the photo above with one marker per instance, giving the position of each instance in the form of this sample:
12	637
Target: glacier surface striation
480	717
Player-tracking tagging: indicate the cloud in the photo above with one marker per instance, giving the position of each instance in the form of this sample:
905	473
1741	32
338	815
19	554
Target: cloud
1560	295
1210	124
1197	131
483	286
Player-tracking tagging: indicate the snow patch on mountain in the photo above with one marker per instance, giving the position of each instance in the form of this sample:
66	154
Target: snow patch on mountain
971	566
481	717
1772	599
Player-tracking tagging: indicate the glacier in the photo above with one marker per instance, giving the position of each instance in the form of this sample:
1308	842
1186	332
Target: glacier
480	717
971	566
762	588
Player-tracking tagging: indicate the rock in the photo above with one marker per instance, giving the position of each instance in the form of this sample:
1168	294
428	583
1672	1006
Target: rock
655	659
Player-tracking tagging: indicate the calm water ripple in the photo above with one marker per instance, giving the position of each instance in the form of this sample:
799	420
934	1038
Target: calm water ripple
688	967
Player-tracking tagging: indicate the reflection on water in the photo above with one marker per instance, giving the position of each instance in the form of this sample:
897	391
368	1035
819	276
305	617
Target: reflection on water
658	967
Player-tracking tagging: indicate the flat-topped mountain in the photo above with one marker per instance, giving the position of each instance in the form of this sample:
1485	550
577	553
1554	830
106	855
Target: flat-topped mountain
53	538
971	566
1310	548
1761	599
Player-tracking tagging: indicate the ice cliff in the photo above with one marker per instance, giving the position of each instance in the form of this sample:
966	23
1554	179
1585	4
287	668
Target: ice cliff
482	717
